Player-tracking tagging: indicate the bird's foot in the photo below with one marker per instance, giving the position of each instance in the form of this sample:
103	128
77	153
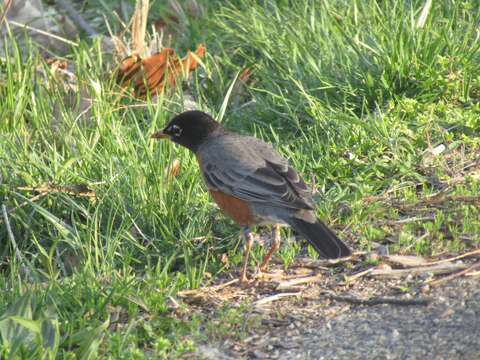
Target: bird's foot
262	274
262	268
245	282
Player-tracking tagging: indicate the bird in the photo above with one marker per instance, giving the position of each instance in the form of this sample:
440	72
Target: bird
252	184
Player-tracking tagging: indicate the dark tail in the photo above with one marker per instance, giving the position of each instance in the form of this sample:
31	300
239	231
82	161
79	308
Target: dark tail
327	244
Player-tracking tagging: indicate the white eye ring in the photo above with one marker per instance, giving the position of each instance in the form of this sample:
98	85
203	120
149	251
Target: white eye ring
177	130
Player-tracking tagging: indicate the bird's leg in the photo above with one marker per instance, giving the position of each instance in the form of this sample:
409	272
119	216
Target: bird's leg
274	247
248	245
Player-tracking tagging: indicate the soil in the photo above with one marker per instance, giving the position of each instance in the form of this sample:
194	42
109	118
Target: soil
349	310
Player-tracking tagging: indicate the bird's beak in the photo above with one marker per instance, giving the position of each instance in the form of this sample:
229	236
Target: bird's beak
160	135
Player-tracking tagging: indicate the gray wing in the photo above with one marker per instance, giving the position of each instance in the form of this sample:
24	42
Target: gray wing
252	170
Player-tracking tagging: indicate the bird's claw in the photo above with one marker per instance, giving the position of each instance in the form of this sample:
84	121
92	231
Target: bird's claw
244	282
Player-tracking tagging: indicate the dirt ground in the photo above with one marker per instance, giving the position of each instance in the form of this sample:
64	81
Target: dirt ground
401	307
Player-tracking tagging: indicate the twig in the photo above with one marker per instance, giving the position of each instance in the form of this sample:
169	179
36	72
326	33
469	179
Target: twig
6	7
454	276
74	190
439	199
275	297
406	260
458	257
56	37
224	285
379	300
435	269
410	220
299	281
357	276
76	17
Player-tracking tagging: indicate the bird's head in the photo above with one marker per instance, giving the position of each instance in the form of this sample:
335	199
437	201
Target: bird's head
189	129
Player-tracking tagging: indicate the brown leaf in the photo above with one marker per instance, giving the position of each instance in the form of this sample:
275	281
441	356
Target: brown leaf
155	72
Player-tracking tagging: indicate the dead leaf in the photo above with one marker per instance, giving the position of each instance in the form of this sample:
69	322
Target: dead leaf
155	72
76	99
62	71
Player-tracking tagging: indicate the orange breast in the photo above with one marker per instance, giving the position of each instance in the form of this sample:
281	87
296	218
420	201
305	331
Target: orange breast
237	209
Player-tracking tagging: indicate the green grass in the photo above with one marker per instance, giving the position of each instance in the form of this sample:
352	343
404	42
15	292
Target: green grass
354	93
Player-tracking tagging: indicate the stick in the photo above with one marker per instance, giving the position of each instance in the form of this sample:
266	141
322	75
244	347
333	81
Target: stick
410	220
53	36
441	199
357	276
224	285
473	274
470	253
454	276
299	281
446	268
6	7
275	297
379	300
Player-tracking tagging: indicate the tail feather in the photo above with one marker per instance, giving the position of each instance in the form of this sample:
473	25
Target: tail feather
325	242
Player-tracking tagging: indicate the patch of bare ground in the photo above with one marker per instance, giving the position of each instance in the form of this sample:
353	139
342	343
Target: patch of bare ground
285	301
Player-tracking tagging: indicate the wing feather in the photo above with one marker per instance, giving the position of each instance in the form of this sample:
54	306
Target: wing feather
252	170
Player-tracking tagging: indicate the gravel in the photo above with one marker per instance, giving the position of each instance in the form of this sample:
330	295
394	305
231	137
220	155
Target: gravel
448	328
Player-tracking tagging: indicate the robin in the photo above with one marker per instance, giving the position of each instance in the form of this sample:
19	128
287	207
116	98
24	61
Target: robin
252	183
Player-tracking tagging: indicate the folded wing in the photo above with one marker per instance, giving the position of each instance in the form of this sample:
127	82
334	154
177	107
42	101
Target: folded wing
252	170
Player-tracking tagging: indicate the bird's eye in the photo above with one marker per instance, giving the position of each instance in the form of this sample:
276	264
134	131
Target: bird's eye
176	130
